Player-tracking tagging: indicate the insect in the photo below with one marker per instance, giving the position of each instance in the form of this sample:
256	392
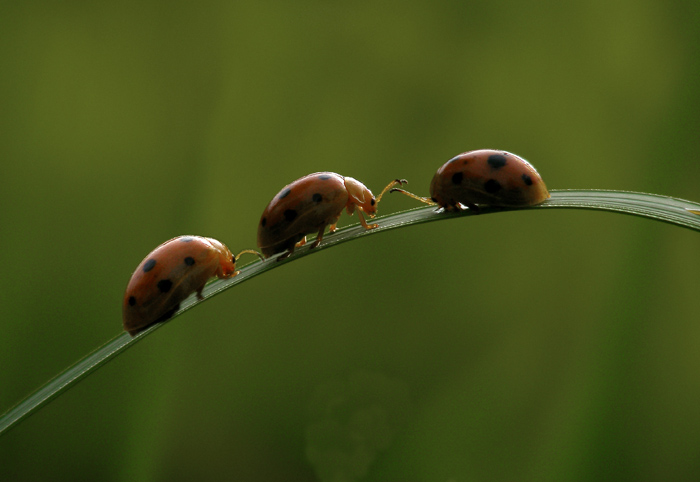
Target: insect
308	205
496	178
172	272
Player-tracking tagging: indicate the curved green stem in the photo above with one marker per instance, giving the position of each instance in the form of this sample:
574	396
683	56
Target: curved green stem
661	208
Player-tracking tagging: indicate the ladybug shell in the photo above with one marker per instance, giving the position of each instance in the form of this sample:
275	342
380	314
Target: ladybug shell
497	178
300	208
169	274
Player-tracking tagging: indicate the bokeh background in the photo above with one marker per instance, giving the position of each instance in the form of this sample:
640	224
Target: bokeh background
537	345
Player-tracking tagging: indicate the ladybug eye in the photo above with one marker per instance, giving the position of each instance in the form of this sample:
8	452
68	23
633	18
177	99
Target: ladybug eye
373	202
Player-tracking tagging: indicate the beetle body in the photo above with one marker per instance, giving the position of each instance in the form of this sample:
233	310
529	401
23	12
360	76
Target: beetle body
308	205
169	274
496	178
486	176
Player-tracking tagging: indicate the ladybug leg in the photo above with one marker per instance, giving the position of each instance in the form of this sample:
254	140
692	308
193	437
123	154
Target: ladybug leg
290	245
287	254
333	220
364	223
473	208
455	207
318	238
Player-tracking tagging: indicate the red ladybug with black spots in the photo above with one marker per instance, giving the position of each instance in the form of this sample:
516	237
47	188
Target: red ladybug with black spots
169	274
496	178
308	205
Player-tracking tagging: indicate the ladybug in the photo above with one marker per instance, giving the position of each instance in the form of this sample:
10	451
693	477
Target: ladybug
169	274
308	205
496	178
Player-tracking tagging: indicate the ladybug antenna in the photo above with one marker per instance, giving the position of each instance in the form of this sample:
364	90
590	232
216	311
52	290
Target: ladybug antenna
410	194
393	183
250	251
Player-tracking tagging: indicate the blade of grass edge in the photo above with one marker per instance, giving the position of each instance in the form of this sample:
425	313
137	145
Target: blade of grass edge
661	208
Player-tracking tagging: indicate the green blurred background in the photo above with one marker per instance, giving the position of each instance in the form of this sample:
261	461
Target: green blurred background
539	345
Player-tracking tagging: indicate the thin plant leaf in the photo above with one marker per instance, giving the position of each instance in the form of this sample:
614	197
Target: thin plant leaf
661	208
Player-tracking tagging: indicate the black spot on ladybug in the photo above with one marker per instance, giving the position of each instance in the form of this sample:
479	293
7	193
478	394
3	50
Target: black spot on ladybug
290	215
324	177
492	186
263	222
373	202
164	285
189	261
457	178
497	161
285	193
317	198
132	301
148	266
527	179
186	239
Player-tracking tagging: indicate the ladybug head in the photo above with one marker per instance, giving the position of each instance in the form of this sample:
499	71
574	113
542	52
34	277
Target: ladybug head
360	196
227	261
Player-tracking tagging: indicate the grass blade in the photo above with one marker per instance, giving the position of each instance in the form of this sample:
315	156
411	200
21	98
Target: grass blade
661	208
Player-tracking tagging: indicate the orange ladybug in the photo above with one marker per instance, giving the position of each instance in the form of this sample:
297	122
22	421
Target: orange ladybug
308	205
169	274
496	178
